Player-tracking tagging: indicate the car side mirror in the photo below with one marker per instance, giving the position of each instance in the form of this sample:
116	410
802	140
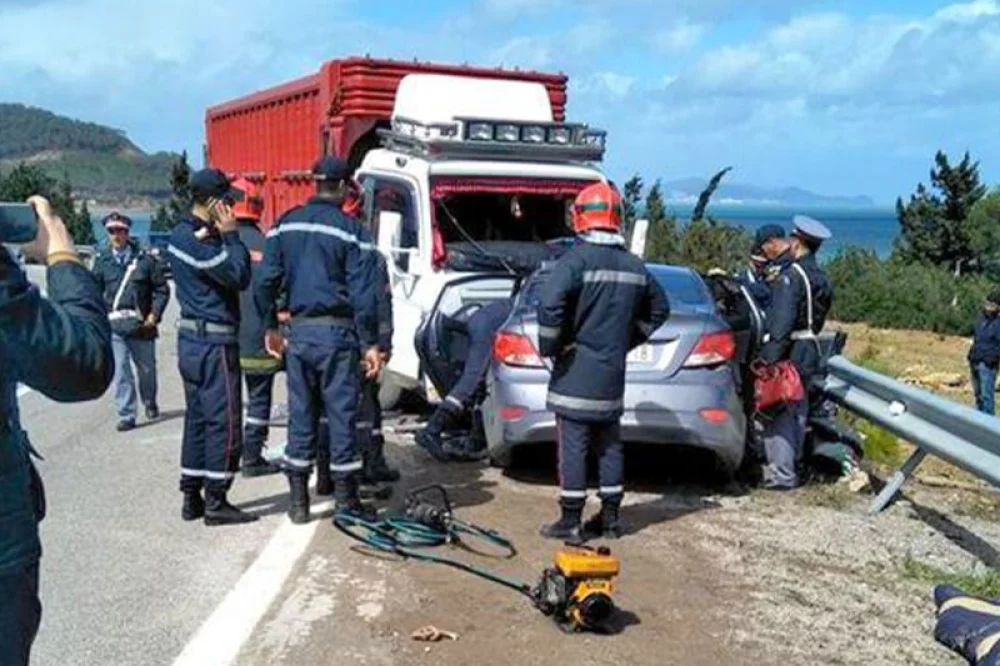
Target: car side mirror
639	232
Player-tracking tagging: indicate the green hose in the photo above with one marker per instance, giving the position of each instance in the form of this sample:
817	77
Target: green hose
400	536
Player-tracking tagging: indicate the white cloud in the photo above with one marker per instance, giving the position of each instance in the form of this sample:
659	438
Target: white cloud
603	84
682	36
525	52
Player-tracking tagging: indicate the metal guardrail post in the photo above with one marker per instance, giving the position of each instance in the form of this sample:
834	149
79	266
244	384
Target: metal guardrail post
953	432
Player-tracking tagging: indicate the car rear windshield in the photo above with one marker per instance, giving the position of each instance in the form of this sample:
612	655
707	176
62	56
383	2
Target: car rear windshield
681	286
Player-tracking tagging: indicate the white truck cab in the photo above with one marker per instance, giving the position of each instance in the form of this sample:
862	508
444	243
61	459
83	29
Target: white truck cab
472	177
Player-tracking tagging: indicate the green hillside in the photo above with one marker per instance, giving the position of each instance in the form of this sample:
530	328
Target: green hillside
100	163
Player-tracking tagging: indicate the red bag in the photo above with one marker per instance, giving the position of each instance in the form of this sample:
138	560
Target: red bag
776	384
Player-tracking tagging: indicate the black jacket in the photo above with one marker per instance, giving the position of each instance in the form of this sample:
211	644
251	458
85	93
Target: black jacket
789	335
986	341
61	347
598	303
132	290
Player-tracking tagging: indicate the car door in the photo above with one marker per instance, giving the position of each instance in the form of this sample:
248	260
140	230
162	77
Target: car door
442	340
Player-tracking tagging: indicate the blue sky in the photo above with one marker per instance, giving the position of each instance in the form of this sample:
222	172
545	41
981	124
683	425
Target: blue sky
842	97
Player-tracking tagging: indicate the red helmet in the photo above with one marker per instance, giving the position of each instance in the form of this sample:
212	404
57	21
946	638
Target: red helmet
252	205
598	206
353	199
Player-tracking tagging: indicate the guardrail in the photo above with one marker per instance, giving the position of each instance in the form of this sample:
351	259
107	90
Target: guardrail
964	437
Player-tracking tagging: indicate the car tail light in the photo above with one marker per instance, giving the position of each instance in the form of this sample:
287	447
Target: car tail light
516	350
712	349
715	416
512	414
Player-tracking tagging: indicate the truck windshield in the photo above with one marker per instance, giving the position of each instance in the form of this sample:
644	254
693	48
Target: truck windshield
485	210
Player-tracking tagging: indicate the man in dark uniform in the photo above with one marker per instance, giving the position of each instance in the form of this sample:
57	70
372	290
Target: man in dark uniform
259	367
482	326
210	266
984	355
801	299
327	261
136	293
61	347
598	304
371	442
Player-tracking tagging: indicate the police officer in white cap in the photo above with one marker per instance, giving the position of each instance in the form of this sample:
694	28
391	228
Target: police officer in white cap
801	300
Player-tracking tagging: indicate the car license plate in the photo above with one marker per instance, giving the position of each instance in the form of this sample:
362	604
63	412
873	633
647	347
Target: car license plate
641	355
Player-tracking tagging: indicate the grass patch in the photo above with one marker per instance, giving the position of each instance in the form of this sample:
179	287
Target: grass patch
881	447
871	358
986	584
829	495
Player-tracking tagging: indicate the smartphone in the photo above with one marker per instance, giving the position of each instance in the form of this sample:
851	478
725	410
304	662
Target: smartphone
18	223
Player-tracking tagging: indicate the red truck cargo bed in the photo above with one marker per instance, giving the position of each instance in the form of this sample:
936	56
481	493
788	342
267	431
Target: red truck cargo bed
274	136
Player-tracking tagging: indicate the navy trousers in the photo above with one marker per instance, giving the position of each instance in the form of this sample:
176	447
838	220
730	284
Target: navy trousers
482	327
20	614
259	393
368	426
576	440
213	437
322	373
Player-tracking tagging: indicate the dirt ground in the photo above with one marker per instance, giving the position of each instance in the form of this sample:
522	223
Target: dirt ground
710	575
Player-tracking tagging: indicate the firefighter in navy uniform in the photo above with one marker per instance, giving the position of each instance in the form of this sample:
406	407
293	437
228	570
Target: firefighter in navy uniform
467	391
802	296
210	266
371	442
327	262
59	345
259	367
598	303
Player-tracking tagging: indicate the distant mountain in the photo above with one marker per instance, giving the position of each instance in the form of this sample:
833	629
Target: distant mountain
686	190
101	163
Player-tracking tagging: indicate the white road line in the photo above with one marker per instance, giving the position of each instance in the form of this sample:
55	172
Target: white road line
220	638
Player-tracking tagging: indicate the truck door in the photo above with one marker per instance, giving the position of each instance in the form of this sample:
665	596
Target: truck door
396	195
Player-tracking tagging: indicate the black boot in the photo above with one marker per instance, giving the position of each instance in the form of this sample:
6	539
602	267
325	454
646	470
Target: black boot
429	439
254	467
349	505
324	484
218	510
377	470
471	447
298	498
567	529
194	505
606	524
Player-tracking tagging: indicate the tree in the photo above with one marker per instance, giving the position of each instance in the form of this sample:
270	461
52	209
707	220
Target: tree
984	233
161	220
709	243
663	243
935	223
631	195
180	177
706	195
25	180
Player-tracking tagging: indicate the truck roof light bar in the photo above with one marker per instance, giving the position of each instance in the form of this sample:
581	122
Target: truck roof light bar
485	137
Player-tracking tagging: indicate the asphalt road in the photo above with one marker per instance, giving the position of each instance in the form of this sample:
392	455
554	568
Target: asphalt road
124	580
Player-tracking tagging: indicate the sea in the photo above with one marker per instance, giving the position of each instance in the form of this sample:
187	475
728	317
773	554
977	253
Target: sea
873	228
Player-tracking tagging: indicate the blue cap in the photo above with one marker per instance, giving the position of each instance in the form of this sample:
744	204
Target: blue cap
766	233
212	184
331	168
811	229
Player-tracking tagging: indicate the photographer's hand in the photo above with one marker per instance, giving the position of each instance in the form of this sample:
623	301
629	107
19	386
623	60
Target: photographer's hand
53	242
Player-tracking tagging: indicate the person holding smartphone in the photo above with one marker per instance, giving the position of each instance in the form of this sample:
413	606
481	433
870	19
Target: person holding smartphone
61	347
211	266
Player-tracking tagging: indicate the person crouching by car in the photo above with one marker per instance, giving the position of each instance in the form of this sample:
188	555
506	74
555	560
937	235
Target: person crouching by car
136	293
984	357
598	303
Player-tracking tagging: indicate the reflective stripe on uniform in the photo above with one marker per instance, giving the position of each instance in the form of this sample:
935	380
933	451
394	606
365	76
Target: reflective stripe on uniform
323	419
313	228
355	466
192	472
803	335
362	425
584	404
296	462
573	494
123	314
198	263
220	476
616	277
454	401
612	490
253	420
